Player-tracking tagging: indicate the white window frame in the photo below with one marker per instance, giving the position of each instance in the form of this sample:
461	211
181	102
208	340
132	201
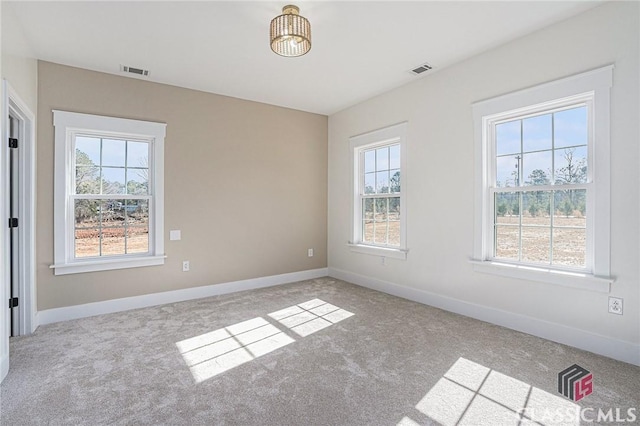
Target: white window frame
67	125
395	134
591	88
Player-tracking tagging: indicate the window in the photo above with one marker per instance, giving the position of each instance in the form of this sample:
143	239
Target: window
108	193
543	192
540	188
378	225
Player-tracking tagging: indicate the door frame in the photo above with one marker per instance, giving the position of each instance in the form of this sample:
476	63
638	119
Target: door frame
13	104
5	321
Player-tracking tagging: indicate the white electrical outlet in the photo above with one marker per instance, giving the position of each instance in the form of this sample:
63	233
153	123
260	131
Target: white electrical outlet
185	266
310	252
615	305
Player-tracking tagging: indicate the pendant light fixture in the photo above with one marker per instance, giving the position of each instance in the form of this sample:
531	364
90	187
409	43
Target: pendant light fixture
290	33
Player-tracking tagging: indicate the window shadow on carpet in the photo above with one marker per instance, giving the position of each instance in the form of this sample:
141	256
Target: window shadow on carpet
215	352
472	394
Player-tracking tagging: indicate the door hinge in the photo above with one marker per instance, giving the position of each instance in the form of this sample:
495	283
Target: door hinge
13	143
13	302
13	222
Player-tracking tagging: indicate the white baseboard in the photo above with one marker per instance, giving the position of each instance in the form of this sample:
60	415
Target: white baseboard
4	366
596	343
118	305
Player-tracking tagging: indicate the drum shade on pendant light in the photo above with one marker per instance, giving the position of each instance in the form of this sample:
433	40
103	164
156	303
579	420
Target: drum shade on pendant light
290	33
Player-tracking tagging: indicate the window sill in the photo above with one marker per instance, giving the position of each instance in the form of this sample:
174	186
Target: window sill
106	264
379	251
578	280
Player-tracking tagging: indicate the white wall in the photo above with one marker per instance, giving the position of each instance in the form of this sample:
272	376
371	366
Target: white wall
19	66
439	183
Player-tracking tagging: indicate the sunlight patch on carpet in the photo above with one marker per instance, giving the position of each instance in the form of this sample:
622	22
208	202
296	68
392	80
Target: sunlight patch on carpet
309	317
472	394
215	352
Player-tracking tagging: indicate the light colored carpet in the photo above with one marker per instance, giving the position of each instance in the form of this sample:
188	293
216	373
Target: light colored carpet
318	352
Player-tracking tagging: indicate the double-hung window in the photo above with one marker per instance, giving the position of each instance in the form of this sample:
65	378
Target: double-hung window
378	223
543	188
108	204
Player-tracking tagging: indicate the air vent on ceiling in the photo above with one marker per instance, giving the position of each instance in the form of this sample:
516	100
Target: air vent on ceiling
422	68
133	70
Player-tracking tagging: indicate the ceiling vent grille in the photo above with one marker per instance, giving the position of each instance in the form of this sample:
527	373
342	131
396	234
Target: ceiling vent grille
133	70
420	69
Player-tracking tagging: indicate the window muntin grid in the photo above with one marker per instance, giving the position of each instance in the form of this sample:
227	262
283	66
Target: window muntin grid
111	196
540	185
380	190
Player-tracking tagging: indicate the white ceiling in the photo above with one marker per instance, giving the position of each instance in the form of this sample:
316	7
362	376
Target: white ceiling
359	49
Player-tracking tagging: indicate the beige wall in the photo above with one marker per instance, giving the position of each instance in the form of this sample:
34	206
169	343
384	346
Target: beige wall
245	182
440	176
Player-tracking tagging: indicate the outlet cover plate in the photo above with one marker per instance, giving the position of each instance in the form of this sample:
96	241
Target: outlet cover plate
615	305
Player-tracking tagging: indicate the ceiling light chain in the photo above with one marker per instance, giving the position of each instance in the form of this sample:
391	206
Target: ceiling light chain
290	33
